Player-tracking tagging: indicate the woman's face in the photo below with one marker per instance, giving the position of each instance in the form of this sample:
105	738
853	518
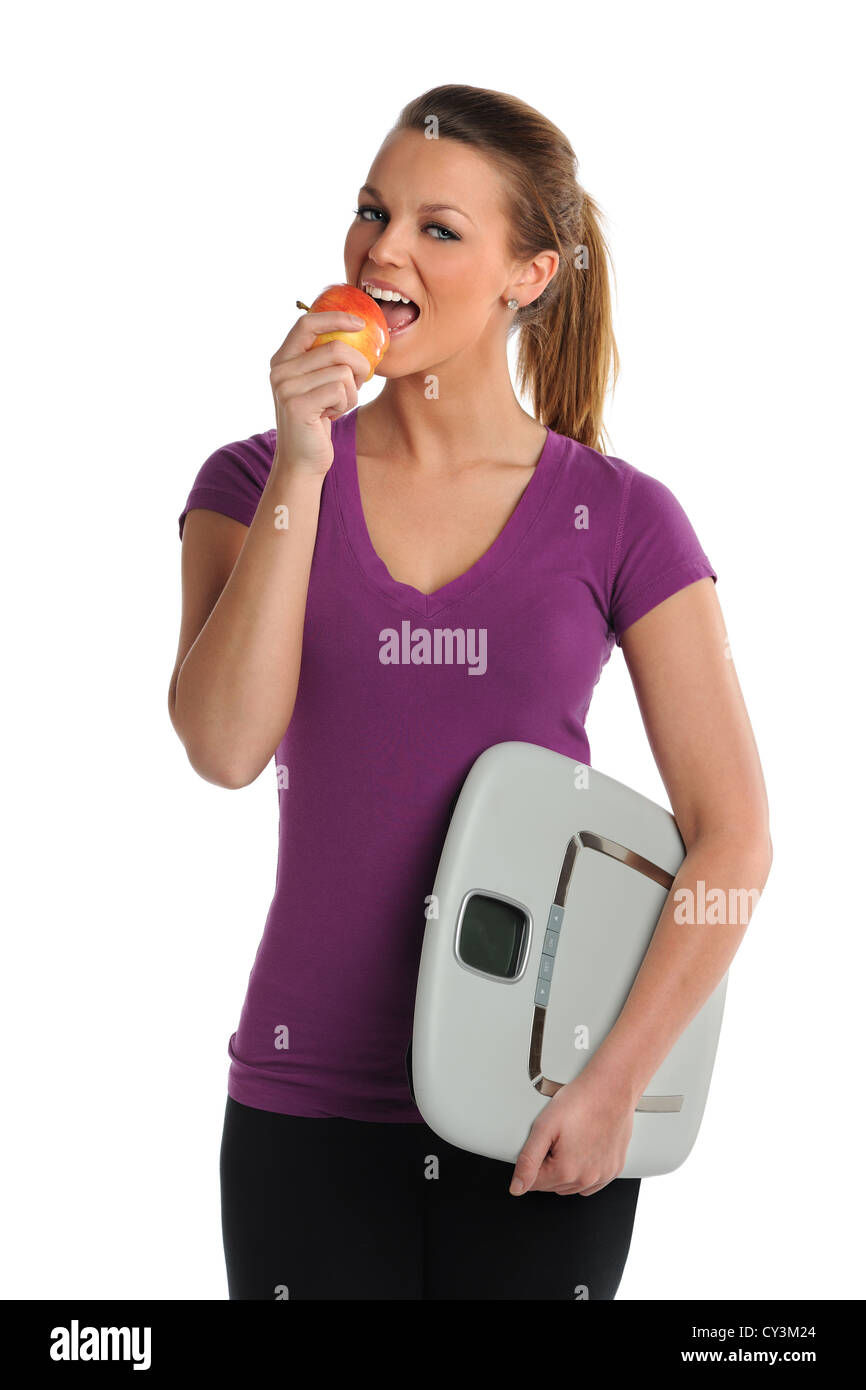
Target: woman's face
451	260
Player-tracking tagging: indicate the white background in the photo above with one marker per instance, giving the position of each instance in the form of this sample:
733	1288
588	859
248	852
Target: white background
174	178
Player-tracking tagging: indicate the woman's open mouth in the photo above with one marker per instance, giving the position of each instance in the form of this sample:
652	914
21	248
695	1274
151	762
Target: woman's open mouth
398	316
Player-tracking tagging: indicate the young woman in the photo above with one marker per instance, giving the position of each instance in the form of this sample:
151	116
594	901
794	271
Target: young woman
443	505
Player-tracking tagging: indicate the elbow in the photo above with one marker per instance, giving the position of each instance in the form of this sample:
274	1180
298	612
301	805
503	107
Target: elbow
748	850
218	772
762	848
757	852
212	767
759	855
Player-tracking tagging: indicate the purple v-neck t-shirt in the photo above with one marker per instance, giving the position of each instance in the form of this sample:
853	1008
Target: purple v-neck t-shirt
399	693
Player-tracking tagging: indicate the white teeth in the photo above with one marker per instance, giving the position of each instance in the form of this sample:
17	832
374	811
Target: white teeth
376	293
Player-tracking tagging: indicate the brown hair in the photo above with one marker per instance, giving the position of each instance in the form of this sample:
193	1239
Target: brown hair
567	347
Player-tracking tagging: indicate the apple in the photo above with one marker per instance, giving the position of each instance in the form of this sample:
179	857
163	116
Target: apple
372	340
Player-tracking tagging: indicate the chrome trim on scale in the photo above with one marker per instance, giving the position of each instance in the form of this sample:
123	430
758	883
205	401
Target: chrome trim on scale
587	839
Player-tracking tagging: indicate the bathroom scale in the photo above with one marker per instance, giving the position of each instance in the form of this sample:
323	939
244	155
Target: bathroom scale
550	883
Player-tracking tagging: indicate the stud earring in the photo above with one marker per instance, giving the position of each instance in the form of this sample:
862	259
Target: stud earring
512	303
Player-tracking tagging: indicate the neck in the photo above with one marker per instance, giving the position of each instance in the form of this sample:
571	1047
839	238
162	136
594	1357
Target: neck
464	423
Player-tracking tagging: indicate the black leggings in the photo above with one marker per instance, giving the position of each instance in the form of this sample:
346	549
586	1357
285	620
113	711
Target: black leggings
351	1209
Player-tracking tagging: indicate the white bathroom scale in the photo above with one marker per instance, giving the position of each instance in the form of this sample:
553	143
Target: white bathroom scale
551	881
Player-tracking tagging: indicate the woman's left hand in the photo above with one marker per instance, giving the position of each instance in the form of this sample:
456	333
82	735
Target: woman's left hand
578	1143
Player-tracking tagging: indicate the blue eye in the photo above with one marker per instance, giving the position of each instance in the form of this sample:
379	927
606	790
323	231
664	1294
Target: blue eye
449	235
437	226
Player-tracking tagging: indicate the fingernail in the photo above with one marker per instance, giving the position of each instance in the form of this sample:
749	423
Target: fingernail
517	1187
356	319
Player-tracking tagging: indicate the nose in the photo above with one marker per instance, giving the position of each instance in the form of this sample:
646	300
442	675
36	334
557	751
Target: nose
387	246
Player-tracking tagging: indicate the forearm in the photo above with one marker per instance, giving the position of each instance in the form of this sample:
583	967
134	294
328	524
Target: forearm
690	950
237	686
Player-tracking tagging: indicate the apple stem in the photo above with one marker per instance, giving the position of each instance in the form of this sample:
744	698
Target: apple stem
300	304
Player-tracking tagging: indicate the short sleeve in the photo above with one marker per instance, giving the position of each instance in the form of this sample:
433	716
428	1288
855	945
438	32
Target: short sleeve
656	551
233	479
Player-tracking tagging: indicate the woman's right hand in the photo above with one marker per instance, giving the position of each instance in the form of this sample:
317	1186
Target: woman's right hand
311	387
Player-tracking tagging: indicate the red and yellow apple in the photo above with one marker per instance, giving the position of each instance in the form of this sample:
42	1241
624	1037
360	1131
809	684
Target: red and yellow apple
372	340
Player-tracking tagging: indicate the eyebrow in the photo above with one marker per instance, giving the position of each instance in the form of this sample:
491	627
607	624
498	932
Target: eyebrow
422	207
